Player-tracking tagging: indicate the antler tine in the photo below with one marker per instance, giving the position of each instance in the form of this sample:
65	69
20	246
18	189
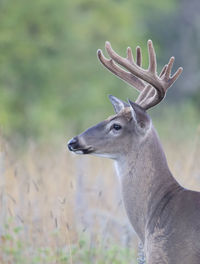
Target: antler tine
130	55
121	73
152	58
176	75
139	56
169	68
167	74
163	71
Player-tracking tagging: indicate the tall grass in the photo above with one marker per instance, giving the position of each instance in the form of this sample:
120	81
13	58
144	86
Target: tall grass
59	208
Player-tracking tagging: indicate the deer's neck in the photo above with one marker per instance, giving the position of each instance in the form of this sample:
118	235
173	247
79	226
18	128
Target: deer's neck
145	179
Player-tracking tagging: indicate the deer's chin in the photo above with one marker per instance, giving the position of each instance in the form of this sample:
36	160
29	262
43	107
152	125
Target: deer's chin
83	151
104	155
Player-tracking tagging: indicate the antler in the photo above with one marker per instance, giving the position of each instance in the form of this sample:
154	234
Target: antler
155	89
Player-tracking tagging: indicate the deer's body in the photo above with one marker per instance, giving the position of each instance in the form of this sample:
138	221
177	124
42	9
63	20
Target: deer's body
165	216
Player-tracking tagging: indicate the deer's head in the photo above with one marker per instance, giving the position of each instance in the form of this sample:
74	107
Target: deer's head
125	131
115	135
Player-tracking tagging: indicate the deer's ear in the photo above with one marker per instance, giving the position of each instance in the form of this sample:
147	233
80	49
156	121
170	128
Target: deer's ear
117	103
139	115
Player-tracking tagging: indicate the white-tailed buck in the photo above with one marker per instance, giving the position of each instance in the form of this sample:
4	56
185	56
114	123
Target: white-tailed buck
165	216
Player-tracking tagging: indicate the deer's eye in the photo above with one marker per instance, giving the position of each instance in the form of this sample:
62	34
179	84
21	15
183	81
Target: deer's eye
117	127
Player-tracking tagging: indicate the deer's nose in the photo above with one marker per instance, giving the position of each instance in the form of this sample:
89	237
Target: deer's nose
73	144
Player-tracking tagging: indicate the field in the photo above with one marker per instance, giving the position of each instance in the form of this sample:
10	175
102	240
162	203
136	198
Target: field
56	207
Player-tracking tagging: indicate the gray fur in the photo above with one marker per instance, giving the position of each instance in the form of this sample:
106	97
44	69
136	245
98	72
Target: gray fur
165	216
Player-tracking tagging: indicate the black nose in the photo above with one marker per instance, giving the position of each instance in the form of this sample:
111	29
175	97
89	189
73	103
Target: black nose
73	144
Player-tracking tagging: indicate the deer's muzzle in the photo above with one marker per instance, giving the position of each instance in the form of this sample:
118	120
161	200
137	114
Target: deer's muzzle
75	146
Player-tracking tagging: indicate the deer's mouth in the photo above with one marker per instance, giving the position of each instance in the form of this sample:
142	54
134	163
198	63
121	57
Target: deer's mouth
83	150
75	146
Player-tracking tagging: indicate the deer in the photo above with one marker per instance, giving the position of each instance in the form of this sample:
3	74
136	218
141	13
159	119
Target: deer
164	215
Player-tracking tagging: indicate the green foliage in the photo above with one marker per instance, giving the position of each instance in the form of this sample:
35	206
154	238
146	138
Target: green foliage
15	250
50	79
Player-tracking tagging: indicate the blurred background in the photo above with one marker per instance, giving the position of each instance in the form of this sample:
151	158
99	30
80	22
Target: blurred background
56	207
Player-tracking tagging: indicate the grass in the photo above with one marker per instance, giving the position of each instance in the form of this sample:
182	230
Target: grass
15	250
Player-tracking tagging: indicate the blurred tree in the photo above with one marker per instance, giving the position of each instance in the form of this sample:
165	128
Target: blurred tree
178	33
50	79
